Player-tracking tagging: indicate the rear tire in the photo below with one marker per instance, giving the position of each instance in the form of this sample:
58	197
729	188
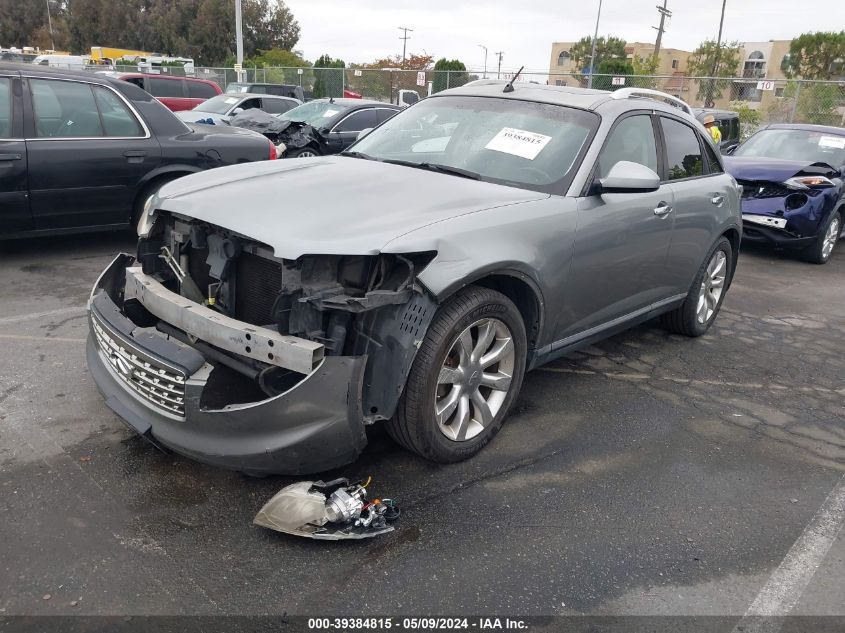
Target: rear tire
464	379
303	152
821	250
698	311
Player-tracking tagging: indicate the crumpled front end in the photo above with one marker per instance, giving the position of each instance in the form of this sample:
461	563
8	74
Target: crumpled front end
207	345
788	213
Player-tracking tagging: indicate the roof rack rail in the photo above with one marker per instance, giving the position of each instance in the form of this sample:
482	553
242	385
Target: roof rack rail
647	93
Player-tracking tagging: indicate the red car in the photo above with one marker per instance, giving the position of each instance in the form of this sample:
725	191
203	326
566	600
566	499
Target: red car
177	93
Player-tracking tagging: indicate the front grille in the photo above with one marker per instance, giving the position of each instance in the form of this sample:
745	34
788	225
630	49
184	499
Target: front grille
150	378
258	282
764	190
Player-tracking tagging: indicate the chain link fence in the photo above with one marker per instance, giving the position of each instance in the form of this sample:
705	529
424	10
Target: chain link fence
759	101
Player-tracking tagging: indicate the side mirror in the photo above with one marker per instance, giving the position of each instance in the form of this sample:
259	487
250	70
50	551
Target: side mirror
363	133
237	111
730	150
628	177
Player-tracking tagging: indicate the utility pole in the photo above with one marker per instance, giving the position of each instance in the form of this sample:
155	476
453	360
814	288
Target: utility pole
710	100
50	26
593	50
485	60
499	72
664	13
405	37
239	36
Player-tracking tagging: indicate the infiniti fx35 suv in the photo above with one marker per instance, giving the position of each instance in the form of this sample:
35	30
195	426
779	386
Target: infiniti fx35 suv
273	310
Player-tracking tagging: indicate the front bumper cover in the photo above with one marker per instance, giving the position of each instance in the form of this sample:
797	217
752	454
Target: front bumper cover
315	426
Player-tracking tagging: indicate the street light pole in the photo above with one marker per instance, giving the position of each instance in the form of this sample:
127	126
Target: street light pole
239	36
485	60
593	50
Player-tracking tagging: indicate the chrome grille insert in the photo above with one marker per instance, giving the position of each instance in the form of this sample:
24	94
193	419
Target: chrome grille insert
144	375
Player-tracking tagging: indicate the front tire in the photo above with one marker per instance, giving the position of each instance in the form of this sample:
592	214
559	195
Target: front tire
822	249
698	311
464	379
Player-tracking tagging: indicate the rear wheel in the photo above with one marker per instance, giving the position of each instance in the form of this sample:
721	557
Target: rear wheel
303	152
464	379
698	311
822	249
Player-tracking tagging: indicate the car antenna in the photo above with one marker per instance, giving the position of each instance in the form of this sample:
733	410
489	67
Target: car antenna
509	86
331	99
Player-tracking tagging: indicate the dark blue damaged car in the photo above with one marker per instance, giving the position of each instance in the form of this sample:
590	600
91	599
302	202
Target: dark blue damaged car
793	194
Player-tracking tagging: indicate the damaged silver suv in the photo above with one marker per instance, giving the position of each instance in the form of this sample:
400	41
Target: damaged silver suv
274	310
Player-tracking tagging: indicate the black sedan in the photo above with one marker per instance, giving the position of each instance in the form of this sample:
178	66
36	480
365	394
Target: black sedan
793	189
329	126
82	152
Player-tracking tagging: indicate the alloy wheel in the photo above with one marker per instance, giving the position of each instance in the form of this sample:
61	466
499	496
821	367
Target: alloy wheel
830	238
306	154
474	379
712	286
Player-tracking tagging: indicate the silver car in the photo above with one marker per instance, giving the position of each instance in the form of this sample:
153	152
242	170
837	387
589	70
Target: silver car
222	108
274	310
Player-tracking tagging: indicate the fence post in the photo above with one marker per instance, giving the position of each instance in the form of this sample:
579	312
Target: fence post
448	78
795	102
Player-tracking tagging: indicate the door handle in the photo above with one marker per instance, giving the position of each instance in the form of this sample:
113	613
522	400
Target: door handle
11	156
135	154
717	199
662	210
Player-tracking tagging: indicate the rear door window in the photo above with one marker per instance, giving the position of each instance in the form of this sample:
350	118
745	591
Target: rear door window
713	166
165	87
735	129
357	121
277	106
683	151
200	90
383	114
631	140
118	120
5	107
64	109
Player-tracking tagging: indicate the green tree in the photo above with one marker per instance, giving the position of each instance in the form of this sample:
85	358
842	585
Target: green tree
749	118
816	56
328	77
714	60
644	70
610	68
606	48
456	76
25	23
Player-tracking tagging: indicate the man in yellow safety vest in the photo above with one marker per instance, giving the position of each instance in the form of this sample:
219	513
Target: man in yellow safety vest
715	133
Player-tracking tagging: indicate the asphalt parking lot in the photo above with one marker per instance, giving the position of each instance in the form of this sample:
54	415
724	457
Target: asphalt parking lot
649	474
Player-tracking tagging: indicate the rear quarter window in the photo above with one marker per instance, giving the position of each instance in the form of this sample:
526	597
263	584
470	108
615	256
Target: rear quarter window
201	90
165	87
683	151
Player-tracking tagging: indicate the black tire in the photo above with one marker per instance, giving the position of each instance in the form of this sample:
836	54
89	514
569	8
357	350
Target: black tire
149	190
815	252
296	153
684	319
414	425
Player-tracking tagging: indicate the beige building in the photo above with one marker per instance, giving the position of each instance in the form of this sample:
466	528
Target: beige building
759	61
672	63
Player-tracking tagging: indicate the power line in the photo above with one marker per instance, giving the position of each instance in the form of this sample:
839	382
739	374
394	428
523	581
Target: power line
405	37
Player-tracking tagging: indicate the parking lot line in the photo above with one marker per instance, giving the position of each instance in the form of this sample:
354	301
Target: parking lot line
40	315
40	339
787	583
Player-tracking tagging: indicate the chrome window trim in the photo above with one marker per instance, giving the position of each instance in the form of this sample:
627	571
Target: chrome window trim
126	102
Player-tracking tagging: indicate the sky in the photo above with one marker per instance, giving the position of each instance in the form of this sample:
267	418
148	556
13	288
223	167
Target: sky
360	32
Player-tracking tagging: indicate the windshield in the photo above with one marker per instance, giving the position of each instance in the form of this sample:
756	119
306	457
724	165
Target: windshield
313	113
507	141
220	104
817	147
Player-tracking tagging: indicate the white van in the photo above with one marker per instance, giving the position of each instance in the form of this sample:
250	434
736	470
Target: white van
72	62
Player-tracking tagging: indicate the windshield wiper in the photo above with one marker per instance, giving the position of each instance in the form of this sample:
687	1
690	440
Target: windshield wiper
358	155
443	169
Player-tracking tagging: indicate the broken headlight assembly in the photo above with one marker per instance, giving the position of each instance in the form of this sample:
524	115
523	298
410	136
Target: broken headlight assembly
809	182
147	219
333	511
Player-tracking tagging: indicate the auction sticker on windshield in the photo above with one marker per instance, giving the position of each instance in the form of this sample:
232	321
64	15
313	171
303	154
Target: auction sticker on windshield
329	113
837	142
518	142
